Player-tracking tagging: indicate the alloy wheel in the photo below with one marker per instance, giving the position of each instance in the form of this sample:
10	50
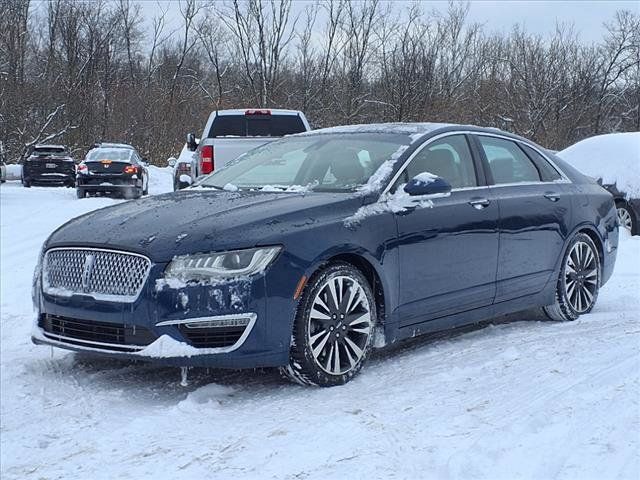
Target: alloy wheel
624	218
340	325
581	273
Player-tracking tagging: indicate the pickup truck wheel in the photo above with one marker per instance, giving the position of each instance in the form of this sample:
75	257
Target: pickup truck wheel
26	183
81	193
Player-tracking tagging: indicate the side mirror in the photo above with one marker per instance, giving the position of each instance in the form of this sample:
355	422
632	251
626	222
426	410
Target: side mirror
191	142
172	162
427	184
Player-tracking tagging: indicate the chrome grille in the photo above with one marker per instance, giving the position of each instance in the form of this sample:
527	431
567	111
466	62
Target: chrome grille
103	274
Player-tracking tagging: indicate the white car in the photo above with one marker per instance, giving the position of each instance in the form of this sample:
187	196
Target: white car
614	160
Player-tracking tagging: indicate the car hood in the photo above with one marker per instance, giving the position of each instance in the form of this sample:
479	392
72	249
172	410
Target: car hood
193	221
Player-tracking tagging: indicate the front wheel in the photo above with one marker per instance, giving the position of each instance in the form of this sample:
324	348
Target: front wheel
333	328
81	192
579	280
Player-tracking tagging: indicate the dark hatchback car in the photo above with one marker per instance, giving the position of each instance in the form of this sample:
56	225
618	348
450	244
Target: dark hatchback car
308	252
113	169
49	165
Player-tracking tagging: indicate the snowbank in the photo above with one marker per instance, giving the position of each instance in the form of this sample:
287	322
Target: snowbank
160	179
14	171
615	158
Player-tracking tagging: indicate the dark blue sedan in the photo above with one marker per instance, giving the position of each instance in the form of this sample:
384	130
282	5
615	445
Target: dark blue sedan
308	252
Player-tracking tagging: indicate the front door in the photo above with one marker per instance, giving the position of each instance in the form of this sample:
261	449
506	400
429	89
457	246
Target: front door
447	253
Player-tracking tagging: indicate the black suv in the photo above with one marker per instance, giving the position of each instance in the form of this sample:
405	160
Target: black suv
49	165
113	169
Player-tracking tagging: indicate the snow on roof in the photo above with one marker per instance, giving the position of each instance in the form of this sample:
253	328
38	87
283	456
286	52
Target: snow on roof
614	157
415	130
47	145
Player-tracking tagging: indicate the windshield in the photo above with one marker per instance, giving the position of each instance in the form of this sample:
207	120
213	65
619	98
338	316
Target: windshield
332	162
117	154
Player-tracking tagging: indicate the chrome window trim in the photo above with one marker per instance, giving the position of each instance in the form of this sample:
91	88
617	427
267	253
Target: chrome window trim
395	177
253	317
106	297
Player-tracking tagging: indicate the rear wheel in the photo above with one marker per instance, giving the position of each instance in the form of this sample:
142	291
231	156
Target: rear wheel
333	328
626	218
81	192
579	281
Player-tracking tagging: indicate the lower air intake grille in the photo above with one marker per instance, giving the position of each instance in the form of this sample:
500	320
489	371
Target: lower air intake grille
212	337
102	335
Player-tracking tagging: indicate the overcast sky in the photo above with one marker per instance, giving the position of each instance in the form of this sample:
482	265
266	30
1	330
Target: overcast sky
538	16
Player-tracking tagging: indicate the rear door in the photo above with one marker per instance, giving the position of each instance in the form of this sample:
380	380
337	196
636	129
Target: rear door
535	206
447	253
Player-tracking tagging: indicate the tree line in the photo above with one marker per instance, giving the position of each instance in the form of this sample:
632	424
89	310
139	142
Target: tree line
77	72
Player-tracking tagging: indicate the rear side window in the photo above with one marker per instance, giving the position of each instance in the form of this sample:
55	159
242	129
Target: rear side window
256	126
507	162
547	171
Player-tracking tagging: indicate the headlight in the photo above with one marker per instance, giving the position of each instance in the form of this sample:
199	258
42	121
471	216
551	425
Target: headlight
231	264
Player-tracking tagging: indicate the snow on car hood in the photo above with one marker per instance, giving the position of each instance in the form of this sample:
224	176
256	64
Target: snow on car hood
199	221
615	158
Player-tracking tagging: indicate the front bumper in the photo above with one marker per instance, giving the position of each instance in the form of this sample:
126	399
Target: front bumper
178	325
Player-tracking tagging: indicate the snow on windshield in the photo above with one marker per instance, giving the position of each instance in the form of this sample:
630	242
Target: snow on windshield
615	158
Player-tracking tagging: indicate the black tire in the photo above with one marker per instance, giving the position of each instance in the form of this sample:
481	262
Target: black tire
145	190
81	192
131	193
304	366
571	298
629	221
26	184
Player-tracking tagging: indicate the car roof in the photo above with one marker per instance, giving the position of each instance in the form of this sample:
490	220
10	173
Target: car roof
415	130
114	145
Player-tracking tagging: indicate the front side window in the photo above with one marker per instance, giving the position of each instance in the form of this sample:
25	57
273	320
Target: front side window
327	162
507	161
448	158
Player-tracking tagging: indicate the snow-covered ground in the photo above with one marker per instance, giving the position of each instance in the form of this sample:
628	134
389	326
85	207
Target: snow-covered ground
523	398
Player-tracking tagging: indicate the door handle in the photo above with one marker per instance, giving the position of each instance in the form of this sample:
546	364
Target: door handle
554	197
479	203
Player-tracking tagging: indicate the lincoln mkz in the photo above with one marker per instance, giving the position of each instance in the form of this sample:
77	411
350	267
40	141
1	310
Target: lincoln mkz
309	252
